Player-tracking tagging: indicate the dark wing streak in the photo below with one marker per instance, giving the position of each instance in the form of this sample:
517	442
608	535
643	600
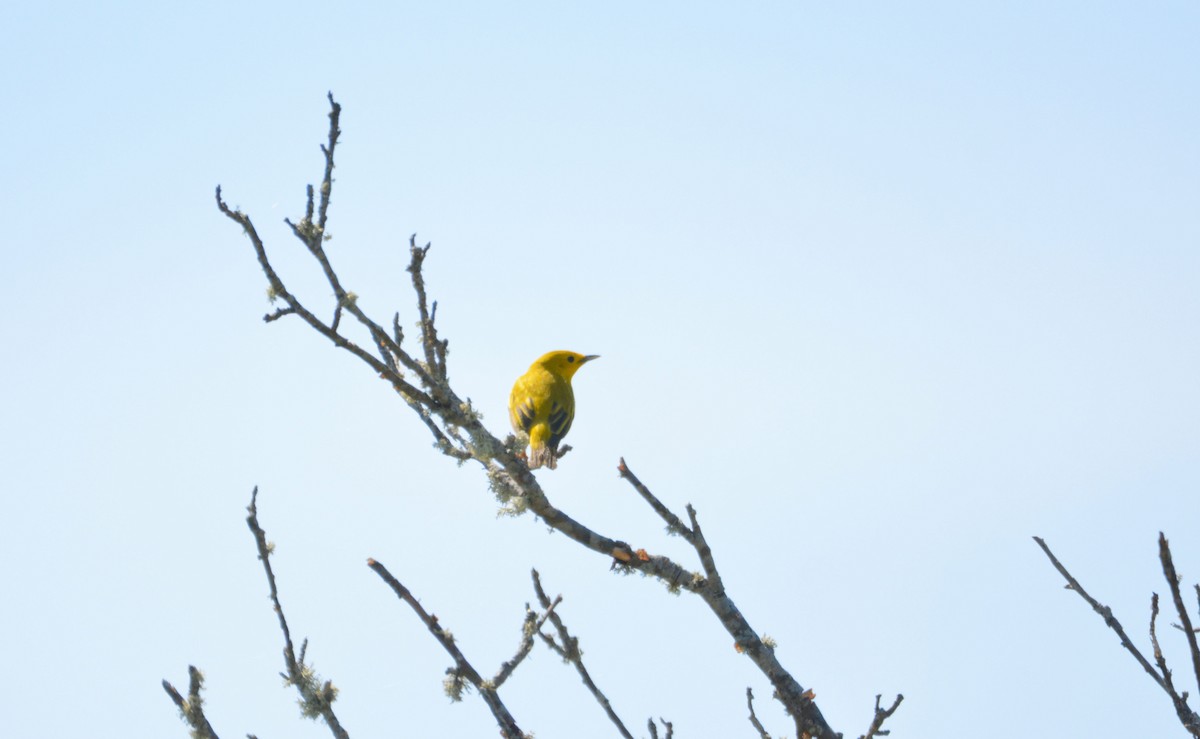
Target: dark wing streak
560	424
525	415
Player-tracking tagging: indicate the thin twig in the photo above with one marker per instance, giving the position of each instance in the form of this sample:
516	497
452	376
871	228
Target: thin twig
1181	707
669	726
275	316
654	727
1105	612
434	349
313	236
191	709
462	667
704	551
337	316
674	523
1187	717
280	291
762	731
532	625
568	649
316	697
1168	565
441	438
881	715
797	701
335	113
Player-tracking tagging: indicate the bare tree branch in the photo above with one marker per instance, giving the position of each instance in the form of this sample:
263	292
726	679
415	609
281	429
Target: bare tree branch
1180	701
668	726
278	314
568	648
1187	717
1164	554
762	731
435	348
881	715
702	549
532	625
191	709
316	697
797	701
462	670
675	525
294	307
1105	612
654	728
459	433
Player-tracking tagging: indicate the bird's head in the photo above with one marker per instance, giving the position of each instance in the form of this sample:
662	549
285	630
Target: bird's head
565	364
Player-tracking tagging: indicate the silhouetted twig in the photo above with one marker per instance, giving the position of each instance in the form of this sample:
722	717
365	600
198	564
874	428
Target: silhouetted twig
1105	612
567	647
668	726
462	669
191	709
1185	621
796	700
1161	675
316	697
762	731
532	625
654	728
881	715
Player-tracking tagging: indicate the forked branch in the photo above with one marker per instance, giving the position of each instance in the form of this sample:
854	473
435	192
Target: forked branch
316	697
462	673
191	709
1160	674
567	647
881	714
711	589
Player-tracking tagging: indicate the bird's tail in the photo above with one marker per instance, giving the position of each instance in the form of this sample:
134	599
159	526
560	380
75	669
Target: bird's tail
541	455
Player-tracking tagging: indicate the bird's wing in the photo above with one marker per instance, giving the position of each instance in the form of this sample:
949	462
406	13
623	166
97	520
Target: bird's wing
521	413
560	420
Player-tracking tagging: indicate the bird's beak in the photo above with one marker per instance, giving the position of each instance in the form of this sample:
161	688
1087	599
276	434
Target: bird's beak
589	358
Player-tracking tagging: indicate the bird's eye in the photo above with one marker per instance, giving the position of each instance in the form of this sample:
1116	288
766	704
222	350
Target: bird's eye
571	359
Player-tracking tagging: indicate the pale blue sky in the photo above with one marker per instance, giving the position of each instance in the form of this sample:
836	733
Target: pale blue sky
883	289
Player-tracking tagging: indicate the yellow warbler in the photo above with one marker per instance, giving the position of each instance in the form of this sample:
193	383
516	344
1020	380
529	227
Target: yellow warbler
542	404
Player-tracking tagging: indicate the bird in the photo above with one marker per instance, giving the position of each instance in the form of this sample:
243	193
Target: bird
542	404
